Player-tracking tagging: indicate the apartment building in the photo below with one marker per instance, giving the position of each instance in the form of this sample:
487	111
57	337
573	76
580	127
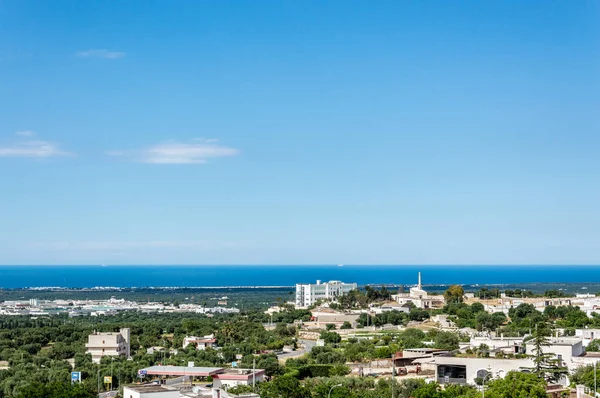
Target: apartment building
108	344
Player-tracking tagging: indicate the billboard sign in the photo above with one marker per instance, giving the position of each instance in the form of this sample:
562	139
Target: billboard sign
75	377
107	379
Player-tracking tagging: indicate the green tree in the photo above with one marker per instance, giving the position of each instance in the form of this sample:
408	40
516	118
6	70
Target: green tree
594	346
330	337
517	385
545	364
346	325
454	294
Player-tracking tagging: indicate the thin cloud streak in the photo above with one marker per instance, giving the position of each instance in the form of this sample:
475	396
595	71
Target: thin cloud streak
197	152
32	149
25	133
111	246
101	53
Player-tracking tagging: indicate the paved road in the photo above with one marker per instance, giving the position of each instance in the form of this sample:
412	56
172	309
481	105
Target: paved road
307	347
110	394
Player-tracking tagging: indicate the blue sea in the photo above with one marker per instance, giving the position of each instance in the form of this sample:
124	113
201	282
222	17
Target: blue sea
288	275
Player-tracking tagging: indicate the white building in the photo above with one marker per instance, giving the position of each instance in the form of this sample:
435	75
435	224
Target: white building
443	321
202	343
388	307
108	344
418	297
453	370
238	377
218	393
149	391
494	343
564	348
587	335
307	295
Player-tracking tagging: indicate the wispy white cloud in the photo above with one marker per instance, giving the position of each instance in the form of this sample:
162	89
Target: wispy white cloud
197	152
25	133
31	148
128	245
101	53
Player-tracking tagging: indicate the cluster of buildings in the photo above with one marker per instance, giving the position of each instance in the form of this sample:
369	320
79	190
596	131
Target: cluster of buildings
502	355
112	306
112	344
311	293
419	298
176	382
588	303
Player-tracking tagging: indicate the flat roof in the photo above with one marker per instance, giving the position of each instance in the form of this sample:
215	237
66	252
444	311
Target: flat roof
182	371
238	374
148	388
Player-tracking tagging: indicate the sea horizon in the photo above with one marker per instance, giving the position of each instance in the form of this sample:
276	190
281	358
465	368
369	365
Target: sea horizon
172	276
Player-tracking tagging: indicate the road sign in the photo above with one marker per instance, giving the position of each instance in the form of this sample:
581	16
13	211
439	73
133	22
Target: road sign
238	356
233	364
75	377
107	379
142	372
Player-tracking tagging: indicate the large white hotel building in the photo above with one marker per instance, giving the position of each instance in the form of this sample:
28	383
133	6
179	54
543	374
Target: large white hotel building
308	294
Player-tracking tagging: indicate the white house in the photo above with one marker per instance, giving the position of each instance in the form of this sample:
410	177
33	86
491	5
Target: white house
587	335
564	348
238	377
496	342
443	321
108	344
308	294
149	391
387	307
202	343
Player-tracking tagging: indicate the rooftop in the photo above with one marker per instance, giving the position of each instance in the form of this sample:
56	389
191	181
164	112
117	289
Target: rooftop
236	371
148	388
182	371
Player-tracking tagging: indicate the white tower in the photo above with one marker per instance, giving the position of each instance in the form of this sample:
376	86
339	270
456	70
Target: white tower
419	286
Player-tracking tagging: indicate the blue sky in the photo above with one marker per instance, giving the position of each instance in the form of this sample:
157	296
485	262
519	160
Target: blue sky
299	132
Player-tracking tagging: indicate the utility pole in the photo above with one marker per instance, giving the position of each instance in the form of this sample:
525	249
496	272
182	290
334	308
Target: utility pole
393	374
253	375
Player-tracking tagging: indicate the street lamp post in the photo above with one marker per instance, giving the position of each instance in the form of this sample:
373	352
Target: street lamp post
595	392
331	389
